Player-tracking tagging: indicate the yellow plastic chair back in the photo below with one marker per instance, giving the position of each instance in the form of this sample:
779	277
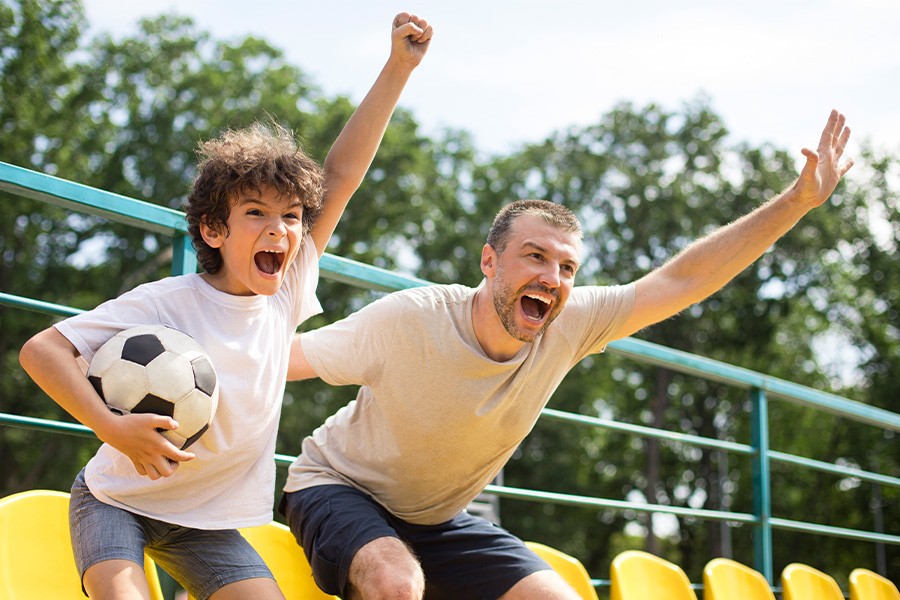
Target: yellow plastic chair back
278	547
36	559
802	582
725	579
569	567
638	575
868	585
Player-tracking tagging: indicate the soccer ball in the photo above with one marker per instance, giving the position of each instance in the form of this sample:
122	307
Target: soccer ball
157	369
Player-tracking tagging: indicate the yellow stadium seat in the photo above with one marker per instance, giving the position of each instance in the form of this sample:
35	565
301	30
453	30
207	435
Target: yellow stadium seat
802	582
725	579
569	567
638	575
36	559
868	585
277	546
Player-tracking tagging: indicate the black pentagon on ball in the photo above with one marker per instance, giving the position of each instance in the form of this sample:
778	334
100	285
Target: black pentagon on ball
95	381
204	375
141	349
154	404
194	437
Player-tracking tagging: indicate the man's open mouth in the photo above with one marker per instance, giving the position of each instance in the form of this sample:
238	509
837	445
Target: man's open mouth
535	307
269	261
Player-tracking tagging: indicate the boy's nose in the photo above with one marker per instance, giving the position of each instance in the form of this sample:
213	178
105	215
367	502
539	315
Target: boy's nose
277	229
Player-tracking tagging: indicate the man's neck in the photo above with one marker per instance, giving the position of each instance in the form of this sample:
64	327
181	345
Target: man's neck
492	336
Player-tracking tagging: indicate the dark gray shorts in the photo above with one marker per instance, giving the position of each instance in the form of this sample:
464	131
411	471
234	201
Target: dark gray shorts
202	561
466	557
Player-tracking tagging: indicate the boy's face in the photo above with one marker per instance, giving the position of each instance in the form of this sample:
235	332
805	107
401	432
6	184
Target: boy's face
264	234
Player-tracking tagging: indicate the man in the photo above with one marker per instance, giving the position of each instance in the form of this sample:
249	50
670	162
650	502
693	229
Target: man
454	378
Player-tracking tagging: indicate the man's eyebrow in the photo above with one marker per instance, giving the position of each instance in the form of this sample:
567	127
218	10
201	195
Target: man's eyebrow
531	244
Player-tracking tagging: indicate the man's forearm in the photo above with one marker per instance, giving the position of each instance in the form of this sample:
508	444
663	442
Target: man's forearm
709	263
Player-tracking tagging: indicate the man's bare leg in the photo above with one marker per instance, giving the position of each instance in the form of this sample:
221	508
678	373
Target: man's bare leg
542	585
386	568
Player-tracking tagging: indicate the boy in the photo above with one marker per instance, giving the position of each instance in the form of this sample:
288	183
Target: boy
260	214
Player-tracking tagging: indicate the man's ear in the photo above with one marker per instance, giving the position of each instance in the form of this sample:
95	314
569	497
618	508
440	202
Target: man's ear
488	260
213	236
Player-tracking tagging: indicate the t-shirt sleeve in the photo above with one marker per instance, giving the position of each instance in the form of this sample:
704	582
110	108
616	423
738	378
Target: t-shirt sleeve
301	283
352	351
594	316
89	330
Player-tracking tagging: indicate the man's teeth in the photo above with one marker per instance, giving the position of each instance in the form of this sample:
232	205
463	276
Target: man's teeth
538	298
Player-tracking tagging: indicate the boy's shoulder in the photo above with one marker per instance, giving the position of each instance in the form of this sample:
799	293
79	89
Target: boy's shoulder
188	281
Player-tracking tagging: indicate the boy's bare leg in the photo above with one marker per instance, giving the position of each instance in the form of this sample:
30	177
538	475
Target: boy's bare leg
119	579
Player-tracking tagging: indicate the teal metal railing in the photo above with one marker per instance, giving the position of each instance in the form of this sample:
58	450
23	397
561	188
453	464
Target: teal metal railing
761	387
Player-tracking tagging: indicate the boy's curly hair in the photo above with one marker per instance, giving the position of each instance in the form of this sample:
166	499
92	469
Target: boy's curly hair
253	158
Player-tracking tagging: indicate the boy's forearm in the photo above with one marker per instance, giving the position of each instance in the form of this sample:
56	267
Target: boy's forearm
353	151
49	359
355	148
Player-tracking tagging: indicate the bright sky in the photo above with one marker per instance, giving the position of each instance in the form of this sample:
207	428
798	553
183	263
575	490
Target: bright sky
513	72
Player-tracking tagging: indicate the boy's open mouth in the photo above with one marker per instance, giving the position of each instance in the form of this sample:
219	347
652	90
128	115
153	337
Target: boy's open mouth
269	261
535	307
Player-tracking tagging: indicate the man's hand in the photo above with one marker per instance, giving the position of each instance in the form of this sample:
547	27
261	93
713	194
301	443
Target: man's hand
823	169
410	38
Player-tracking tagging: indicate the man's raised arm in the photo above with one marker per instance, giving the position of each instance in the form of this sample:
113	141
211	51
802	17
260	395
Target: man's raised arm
709	263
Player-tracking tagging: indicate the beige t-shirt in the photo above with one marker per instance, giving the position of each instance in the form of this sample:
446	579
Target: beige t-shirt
436	419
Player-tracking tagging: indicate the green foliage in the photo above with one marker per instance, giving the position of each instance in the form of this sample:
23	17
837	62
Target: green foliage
126	115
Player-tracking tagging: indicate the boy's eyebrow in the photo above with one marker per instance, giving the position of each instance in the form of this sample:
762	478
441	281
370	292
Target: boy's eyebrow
254	199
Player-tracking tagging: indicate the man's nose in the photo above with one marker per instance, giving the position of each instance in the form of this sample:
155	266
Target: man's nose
550	276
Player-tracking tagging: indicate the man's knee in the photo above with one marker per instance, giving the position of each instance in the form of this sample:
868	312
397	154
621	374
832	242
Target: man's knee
386	568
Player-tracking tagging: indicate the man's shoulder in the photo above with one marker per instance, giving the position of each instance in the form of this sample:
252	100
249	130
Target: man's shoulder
434	294
600	293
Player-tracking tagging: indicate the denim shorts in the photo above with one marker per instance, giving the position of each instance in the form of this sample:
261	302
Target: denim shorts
465	557
202	561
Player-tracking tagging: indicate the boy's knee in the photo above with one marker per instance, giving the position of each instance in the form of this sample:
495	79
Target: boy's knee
386	569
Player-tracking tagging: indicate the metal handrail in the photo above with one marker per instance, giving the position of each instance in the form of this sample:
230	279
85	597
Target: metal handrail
151	217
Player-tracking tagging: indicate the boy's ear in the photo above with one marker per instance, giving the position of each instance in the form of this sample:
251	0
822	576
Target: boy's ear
211	235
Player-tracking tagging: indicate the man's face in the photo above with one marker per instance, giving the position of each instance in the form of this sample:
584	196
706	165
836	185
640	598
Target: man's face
533	276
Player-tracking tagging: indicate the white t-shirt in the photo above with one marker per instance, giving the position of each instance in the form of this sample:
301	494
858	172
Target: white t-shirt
231	482
436	418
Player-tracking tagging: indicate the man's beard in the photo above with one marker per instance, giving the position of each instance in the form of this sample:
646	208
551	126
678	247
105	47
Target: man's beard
506	303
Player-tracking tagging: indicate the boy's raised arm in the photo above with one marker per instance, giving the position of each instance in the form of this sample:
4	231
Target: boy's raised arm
355	147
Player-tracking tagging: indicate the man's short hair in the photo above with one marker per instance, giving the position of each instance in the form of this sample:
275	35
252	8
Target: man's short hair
553	214
247	159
